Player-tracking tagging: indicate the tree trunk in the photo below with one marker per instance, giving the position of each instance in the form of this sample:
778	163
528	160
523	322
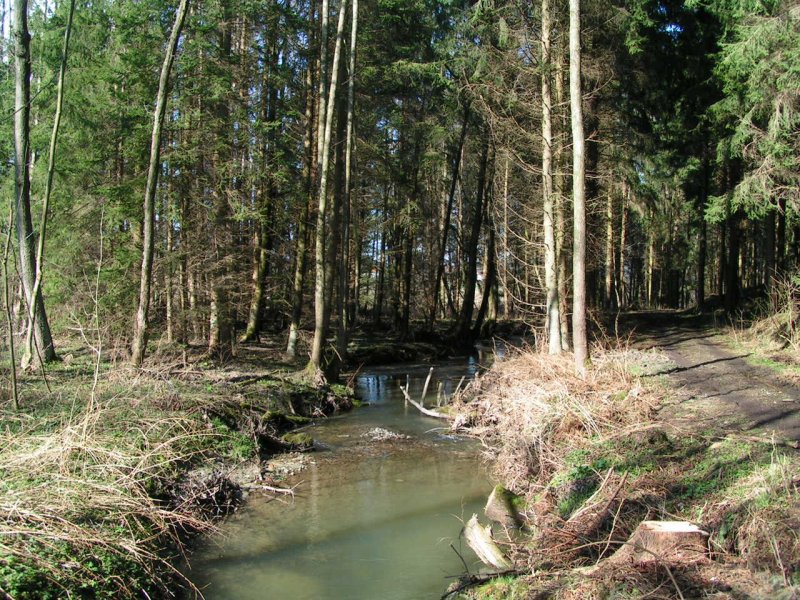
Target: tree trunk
343	331
732	264
8	315
379	291
220	334
770	272
169	278
487	313
579	338
51	162
140	334
265	202
723	253
733	239
702	235
700	275
559	186
192	285
651	264
552	318
309	175
408	258
463	330
446	226
507	302
780	254
321	298
623	234
335	266
22	189
610	298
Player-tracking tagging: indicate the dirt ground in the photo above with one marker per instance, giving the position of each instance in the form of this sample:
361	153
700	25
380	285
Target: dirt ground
717	387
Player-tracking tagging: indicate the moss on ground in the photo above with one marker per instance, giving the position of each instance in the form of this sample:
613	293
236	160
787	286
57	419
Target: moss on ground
506	587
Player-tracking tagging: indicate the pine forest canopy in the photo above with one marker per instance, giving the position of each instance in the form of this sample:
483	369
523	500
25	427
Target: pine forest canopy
326	165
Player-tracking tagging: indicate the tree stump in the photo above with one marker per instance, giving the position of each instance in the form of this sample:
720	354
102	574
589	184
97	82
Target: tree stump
501	507
663	542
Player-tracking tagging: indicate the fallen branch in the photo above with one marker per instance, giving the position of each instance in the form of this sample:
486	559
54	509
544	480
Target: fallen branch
269	488
425	411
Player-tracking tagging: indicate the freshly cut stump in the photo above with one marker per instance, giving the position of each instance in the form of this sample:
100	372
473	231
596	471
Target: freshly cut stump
663	542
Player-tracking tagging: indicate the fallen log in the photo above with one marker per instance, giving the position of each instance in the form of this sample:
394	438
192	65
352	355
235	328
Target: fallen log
268	488
480	539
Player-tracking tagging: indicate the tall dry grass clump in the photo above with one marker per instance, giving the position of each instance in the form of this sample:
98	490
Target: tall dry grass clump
78	504
777	325
531	406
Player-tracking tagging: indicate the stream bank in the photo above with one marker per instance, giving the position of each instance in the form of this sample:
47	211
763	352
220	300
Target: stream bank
117	468
594	460
106	471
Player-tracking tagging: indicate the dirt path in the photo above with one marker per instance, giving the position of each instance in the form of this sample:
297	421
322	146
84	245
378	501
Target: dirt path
718	388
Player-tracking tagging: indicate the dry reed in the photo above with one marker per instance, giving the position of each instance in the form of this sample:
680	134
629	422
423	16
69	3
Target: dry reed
530	406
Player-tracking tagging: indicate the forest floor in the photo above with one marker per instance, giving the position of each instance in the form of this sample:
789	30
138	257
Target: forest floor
685	420
685	423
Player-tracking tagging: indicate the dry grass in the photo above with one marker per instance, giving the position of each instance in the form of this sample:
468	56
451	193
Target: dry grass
98	477
547	433
773	336
532	406
79	499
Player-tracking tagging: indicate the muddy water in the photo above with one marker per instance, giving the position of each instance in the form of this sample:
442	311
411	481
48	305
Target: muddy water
371	519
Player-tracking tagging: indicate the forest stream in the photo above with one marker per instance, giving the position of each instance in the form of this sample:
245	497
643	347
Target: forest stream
373	516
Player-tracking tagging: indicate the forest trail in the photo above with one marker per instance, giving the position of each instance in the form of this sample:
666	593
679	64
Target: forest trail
718	388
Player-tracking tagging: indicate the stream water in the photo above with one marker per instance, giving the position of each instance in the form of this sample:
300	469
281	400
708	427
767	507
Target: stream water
370	519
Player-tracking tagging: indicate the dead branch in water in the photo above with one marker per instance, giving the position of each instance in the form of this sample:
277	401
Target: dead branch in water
269	488
425	411
480	539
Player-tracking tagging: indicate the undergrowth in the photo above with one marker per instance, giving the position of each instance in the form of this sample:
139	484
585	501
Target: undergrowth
571	445
80	512
770	330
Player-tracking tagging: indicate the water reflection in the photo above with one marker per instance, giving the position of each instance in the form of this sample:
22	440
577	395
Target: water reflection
371	519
